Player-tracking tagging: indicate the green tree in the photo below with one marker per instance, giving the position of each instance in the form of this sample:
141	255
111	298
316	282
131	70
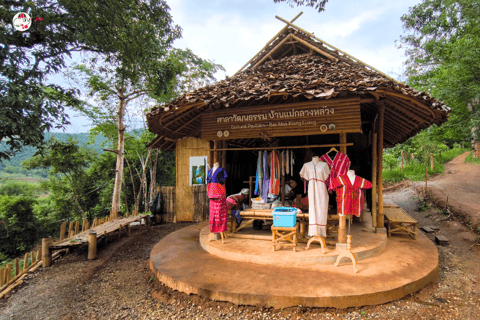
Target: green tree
319	5
128	31
442	44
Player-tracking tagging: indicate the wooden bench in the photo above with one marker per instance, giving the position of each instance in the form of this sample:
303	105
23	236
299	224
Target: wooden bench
400	222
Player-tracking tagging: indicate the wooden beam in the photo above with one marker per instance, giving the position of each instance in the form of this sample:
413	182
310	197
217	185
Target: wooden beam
285	147
404	110
273	50
187	123
305	43
411	99
374	179
268	43
335	48
381	113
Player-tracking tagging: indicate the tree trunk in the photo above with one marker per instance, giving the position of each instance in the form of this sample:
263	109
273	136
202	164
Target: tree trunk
153	176
120	154
142	180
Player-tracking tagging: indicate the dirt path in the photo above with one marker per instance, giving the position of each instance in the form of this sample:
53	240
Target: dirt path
117	284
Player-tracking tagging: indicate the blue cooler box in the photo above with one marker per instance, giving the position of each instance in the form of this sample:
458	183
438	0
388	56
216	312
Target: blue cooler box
284	217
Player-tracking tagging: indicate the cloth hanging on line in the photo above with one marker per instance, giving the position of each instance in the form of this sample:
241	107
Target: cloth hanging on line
283	163
260	174
350	196
316	174
257	174
287	162
266	177
291	162
218	202
338	167
274	175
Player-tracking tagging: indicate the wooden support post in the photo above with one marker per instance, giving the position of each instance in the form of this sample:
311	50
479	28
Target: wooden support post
77	226
46	252
381	116
2	277
215	152
8	271
25	261
282	189
374	180
426	177
17	266
129	230
63	226
33	258
432	164
39	254
148	221
401	162
342	225
92	245
70	229
224	155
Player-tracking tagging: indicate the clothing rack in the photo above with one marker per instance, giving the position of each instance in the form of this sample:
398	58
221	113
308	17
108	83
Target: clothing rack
285	147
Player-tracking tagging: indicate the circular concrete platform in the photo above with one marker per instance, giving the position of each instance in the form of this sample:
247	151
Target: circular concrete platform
403	267
365	244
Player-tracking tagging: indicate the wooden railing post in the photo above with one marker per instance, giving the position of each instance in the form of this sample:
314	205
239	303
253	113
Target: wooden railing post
2	277
70	229
77	226
46	252
25	262
17	266
92	245
9	273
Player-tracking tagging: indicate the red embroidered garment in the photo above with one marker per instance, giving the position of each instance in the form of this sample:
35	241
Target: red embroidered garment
350	197
274	174
218	202
338	167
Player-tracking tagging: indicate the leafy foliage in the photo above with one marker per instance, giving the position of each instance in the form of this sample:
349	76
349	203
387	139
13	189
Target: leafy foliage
443	50
319	5
123	31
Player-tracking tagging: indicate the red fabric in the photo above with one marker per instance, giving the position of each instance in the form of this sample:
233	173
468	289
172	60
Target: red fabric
350	197
338	167
216	190
218	215
274	174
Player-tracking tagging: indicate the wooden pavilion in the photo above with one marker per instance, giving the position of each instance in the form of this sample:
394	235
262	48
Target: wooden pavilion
297	92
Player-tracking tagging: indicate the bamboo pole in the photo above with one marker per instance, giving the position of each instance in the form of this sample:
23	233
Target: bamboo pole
381	114
63	226
77	226
92	245
39	254
32	255
268	43
2	277
215	152
25	262
46	252
374	180
17	266
329	56
432	164
426	177
335	48
287	38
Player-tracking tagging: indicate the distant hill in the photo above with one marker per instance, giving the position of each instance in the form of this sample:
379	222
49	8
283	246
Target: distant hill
15	163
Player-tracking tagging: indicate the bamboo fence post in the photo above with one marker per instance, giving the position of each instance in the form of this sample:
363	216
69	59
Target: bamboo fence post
33	258
374	180
39	254
77	226
92	245
63	226
70	229
2	277
401	163
432	165
25	262
46	252
426	176
8	276
17	266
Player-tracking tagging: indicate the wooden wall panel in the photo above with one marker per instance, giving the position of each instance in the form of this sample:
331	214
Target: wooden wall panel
184	200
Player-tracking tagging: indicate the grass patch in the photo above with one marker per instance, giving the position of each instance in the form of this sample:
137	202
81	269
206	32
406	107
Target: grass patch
470	159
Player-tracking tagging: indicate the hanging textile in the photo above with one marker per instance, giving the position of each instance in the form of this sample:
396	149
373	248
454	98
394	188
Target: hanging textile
218	202
275	174
287	164
266	177
257	175
291	162
350	196
338	167
260	174
316	173
283	163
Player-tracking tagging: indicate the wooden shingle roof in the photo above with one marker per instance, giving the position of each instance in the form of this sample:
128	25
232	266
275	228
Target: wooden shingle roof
298	67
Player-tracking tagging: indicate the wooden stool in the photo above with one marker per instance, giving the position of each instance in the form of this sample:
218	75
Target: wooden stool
287	234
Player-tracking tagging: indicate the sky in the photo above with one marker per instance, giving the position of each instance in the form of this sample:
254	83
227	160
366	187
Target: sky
231	32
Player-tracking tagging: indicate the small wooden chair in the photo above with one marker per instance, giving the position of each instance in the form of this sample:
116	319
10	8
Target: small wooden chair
288	236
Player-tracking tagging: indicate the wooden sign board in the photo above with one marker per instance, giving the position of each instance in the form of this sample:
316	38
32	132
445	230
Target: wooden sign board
294	119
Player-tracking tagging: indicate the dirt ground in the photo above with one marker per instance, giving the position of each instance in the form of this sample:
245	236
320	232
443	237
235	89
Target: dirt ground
117	284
